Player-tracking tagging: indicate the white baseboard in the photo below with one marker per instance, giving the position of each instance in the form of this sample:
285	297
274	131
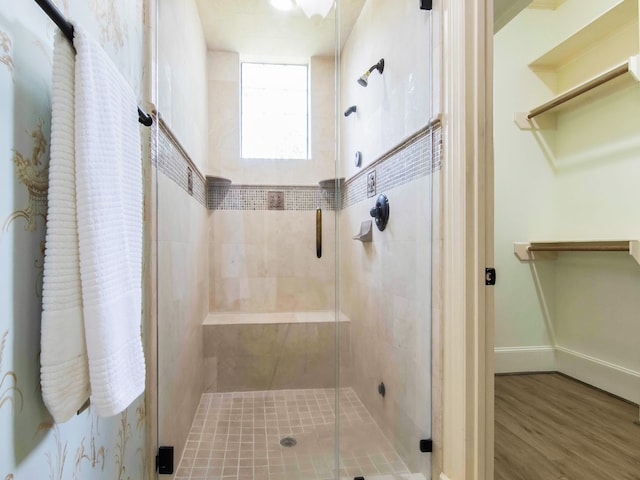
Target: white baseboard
525	359
607	376
612	378
443	477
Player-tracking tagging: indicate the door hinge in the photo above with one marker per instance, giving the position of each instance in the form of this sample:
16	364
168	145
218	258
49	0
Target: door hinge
164	460
489	276
426	4
426	445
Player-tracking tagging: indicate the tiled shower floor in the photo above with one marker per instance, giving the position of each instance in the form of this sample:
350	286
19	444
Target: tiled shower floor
237	436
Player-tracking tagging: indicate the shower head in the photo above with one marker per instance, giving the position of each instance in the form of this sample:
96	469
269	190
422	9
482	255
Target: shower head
364	79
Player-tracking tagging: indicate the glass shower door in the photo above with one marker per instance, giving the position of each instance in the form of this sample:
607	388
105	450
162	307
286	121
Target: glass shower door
386	270
247	354
294	334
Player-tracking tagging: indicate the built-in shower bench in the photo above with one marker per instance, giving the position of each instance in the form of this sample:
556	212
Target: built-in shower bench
264	351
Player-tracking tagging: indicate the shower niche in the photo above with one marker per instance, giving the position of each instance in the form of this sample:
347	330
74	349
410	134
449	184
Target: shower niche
269	355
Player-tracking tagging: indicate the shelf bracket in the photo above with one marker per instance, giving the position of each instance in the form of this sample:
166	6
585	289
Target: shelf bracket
545	122
634	250
521	250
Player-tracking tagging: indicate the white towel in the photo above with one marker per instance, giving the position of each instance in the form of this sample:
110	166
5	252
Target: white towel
109	207
64	372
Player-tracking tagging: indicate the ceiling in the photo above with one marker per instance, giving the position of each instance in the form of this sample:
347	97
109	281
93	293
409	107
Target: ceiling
505	10
255	28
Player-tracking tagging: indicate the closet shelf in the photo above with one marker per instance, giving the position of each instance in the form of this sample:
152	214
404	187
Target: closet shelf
600	58
597	84
600	30
526	250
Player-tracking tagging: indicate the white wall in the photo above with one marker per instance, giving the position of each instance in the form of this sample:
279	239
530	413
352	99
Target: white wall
523	187
575	183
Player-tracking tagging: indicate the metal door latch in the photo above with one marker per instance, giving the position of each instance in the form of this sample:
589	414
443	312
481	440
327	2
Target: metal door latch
489	276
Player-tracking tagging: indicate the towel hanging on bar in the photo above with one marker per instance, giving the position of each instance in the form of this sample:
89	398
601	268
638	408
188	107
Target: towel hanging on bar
92	286
67	29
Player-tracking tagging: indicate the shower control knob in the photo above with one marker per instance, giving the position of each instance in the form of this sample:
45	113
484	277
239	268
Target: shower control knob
381	211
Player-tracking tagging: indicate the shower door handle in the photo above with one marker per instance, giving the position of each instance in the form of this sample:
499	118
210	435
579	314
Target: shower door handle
319	232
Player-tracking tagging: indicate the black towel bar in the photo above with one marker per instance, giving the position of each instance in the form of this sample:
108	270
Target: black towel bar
67	29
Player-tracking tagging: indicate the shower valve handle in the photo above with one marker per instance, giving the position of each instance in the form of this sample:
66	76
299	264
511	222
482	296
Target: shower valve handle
381	211
375	211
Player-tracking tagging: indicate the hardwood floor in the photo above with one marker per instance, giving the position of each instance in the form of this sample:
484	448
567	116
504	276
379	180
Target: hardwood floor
551	427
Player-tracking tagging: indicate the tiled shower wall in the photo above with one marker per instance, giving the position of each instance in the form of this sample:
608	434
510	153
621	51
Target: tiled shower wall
265	261
182	287
385	285
287	353
386	292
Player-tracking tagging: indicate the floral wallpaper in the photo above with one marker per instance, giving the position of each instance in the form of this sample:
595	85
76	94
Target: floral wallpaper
86	447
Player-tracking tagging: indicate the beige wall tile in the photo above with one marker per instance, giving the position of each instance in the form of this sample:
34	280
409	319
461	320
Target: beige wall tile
385	291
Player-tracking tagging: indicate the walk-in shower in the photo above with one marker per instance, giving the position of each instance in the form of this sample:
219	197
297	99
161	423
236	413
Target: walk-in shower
271	345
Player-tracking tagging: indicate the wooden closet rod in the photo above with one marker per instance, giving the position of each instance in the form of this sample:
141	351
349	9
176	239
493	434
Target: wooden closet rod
612	246
524	251
580	89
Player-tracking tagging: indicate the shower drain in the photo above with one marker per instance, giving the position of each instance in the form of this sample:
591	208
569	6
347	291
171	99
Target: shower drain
288	442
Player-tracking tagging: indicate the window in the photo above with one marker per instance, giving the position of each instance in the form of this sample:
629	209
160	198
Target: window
274	108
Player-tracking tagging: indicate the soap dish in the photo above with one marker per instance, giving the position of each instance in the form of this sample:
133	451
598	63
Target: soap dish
366	232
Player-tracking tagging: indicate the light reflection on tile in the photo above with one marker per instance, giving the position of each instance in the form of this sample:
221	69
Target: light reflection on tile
237	436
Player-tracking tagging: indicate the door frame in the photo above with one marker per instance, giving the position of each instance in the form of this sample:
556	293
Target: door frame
467	194
464	439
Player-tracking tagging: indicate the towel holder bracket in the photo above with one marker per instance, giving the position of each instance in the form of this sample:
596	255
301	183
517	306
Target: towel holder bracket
66	28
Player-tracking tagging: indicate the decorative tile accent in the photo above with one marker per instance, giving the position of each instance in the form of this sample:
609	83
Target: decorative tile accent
276	200
237	435
416	157
172	160
436	148
255	197
371	183
412	159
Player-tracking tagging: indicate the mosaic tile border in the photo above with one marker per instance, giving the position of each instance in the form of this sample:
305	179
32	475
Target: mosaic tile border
417	156
170	158
254	197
